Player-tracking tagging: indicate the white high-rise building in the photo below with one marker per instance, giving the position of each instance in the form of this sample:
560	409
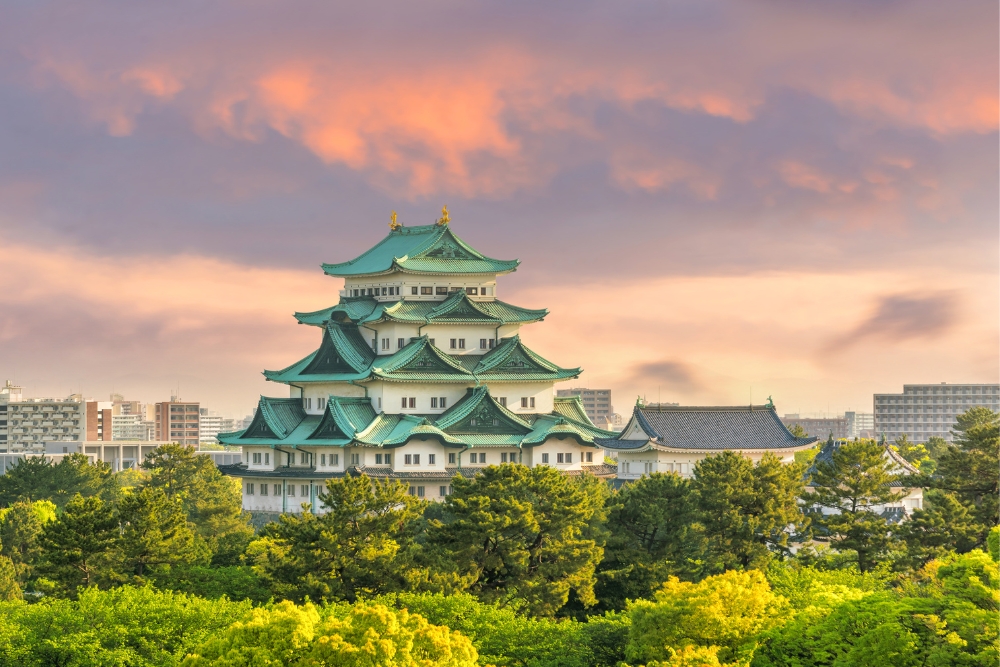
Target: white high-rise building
926	410
211	424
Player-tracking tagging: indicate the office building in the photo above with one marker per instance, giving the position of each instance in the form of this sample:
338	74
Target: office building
132	427
99	425
923	411
860	424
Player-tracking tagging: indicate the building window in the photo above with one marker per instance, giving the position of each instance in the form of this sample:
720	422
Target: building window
442	402
355	459
417	491
461	343
559	458
527	401
277	489
502	401
256	458
385	292
263	489
322	459
414	290
434	402
474	291
545	458
427	290
431	341
503	457
403	403
442	290
482	343
385	343
443	491
430	459
291	490
413	402
451	459
267	458
304	491
590	457
249	489
354	293
334	459
400	343
378	459
374	345
454	343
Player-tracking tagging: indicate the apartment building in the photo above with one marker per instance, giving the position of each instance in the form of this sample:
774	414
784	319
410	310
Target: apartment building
212	424
926	410
597	404
177	421
25	424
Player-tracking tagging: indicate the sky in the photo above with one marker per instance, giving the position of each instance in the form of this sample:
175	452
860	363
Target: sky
718	202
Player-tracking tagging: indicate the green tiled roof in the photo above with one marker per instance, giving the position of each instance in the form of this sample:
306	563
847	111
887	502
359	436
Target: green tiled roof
458	307
424	249
476	420
572	407
418	361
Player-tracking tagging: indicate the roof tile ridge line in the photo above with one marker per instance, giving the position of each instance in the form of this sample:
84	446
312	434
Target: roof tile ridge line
529	310
468	248
405	354
270	418
510	344
341	337
468	403
337	413
363	434
349	262
426	245
452	301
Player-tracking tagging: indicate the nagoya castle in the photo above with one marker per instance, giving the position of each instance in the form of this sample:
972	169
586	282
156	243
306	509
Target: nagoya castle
419	375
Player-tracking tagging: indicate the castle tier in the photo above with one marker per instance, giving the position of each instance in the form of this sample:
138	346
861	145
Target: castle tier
420	375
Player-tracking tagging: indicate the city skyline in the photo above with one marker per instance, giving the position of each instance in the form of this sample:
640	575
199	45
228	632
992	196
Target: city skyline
811	218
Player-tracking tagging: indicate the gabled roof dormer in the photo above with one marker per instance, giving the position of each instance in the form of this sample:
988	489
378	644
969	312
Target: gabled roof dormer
275	418
478	412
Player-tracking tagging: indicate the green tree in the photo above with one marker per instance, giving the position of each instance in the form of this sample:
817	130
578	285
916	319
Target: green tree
10	587
936	446
20	534
723	615
853	483
79	547
969	468
650	538
943	526
362	545
212	501
524	533
745	510
35	478
798	431
154	532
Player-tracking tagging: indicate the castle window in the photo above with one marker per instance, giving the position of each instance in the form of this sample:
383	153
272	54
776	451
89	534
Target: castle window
454	343
370	292
482	343
304	491
559	458
355	293
403	404
493	343
385	291
461	343
427	290
291	490
385	343
474	291
413	402
277	489
503	457
502	401
256	458
414	290
355	459
249	489
442	402
443	491
590	457
430	459
434	402
545	458
400	343
263	489
322	459
569	457
430	340
378	459
451	459
442	290
335	459
267	458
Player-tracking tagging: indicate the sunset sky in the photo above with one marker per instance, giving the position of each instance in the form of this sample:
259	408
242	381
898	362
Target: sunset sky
714	199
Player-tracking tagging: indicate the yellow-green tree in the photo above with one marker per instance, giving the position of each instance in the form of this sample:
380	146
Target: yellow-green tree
363	635
722	616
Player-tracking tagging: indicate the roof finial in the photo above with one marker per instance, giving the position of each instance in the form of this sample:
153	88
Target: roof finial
445	218
393	225
770	403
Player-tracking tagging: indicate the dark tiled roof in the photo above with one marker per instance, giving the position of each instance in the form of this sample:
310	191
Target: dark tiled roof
715	428
825	454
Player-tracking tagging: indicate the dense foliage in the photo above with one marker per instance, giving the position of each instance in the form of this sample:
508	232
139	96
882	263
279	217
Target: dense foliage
519	567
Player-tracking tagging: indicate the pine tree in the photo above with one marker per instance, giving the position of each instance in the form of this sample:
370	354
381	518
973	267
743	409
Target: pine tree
969	468
154	531
853	483
80	546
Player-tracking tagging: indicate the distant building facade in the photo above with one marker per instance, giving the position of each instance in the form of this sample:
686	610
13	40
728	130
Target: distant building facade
860	424
212	424
99	425
178	421
923	411
25	424
820	427
132	427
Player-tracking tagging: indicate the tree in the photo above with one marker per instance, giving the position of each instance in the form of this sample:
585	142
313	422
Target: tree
852	483
914	453
10	587
362	545
213	502
969	468
744	511
798	431
20	534
936	446
723	616
943	526
78	547
35	478
650	538
525	533
364	635
154	532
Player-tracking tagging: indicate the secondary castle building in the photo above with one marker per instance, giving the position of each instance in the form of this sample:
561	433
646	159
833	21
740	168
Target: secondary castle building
671	438
419	375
